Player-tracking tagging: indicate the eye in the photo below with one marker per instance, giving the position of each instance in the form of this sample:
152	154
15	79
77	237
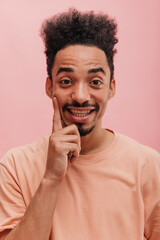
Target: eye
65	82
96	83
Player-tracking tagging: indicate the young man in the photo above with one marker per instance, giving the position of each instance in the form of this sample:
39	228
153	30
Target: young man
82	182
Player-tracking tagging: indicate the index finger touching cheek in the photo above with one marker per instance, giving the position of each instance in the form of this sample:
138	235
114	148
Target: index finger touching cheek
57	125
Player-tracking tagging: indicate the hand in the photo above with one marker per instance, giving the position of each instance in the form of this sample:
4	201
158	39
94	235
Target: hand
64	146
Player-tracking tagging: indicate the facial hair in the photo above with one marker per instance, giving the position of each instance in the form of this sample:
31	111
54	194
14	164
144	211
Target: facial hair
83	132
81	129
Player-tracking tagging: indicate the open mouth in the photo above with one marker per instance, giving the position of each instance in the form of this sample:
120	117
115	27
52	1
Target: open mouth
80	112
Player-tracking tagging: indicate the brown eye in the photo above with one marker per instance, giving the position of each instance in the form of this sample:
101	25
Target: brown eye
65	82
95	82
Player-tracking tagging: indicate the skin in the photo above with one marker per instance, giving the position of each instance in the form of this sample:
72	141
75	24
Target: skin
65	143
82	86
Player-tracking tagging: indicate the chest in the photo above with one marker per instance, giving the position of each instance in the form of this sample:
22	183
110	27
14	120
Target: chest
95	201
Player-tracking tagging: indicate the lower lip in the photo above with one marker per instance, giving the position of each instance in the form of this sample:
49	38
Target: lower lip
77	119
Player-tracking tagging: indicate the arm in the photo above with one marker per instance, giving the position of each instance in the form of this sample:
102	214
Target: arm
151	197
37	221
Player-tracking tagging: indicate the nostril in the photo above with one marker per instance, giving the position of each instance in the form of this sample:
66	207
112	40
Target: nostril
80	96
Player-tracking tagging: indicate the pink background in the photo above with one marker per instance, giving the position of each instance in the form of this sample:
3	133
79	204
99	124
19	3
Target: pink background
26	112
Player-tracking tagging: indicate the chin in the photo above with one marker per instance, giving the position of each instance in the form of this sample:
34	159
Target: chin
84	131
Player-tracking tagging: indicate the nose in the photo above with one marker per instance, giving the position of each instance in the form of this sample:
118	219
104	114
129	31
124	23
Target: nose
80	93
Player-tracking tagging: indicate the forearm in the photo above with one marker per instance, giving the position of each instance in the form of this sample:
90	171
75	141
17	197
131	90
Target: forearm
37	221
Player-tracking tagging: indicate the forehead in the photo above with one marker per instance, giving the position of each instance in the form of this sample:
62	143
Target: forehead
80	56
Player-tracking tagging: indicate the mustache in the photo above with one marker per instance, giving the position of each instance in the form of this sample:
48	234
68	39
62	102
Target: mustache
76	104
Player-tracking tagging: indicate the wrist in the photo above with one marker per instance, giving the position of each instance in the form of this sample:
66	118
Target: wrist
51	180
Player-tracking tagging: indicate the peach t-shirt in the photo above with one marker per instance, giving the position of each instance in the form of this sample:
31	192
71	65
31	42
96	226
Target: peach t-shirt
111	195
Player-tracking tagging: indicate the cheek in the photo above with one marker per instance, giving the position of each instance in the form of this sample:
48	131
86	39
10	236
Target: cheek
59	94
62	98
103	108
102	102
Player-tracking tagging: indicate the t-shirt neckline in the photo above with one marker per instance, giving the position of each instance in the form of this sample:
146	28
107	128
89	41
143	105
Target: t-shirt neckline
95	157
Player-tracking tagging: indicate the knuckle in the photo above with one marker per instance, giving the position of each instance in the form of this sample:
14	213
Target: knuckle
73	126
76	147
52	138
76	138
53	141
57	148
75	129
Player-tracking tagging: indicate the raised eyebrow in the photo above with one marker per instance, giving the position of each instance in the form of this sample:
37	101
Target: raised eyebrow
63	69
95	70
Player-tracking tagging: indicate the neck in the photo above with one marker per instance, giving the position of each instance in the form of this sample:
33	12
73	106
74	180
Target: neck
96	141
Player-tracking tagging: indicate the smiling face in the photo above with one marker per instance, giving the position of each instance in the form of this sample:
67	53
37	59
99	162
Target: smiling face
81	83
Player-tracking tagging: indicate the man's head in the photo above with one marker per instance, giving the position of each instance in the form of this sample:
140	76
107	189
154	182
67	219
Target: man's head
79	51
75	27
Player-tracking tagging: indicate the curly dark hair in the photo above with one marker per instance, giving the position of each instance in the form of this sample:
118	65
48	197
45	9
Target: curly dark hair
75	27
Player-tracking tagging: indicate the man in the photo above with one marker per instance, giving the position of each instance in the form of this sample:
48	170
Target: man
82	182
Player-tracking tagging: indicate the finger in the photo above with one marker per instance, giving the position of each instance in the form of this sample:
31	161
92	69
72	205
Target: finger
72	151
57	125
72	130
71	139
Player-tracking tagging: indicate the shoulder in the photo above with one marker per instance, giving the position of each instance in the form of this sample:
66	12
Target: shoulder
28	152
133	146
140	152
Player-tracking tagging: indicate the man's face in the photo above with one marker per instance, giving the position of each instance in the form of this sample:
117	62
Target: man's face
81	84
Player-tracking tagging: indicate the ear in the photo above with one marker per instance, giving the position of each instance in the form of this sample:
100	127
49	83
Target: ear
112	89
49	88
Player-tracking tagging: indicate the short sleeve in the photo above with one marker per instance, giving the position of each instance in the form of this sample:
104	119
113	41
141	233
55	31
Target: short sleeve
12	206
151	196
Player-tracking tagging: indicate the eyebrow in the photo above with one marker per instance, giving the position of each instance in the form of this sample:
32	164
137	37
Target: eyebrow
64	70
92	70
95	70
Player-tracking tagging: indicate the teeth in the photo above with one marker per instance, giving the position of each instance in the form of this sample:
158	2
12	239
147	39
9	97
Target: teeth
79	113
